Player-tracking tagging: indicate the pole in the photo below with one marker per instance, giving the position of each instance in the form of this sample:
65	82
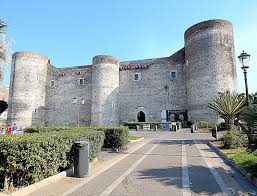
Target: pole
78	115
246	88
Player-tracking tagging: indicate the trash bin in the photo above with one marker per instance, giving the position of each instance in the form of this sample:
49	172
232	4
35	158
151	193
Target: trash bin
81	159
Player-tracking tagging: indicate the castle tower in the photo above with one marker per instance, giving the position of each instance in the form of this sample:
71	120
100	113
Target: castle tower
27	87
105	88
211	68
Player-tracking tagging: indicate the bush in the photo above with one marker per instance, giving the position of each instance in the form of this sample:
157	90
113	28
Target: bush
115	137
38	129
30	158
234	139
249	115
205	124
148	123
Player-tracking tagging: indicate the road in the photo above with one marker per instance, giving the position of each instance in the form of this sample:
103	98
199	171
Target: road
168	164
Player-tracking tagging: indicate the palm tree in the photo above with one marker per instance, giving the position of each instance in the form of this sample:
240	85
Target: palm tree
2	31
228	105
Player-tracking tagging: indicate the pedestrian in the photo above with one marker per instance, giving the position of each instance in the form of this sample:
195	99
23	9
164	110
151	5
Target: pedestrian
14	128
8	130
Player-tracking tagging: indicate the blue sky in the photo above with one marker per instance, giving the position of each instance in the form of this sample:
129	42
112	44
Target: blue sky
72	32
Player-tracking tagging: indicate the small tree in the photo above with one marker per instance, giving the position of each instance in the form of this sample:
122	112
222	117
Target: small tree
3	56
249	115
228	105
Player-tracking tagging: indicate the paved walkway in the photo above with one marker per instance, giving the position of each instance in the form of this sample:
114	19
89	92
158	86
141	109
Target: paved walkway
164	163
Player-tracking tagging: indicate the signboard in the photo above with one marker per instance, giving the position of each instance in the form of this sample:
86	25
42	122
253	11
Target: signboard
146	126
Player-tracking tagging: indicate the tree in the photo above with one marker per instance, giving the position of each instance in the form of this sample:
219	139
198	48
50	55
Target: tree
252	97
228	105
249	115
3	106
3	56
2	31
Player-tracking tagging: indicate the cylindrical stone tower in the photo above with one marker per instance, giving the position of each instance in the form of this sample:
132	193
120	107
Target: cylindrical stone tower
27	87
211	68
105	89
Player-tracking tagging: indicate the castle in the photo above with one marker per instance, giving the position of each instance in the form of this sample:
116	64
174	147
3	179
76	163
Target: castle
114	92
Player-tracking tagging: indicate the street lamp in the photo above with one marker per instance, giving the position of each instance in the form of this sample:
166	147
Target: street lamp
244	60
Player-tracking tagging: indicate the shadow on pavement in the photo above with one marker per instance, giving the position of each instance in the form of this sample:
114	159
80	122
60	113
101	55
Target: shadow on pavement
201	180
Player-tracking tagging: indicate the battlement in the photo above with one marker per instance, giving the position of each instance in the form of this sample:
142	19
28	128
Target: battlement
218	23
30	55
105	59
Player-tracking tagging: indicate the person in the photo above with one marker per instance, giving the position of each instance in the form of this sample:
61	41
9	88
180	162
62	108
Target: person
8	130
14	128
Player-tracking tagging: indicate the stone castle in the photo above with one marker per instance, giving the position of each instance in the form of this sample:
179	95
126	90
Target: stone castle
114	92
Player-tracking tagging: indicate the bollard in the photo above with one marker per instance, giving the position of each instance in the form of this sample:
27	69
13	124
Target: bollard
81	159
214	132
192	128
155	127
137	127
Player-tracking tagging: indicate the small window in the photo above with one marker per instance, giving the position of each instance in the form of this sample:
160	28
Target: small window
52	84
81	81
173	75
136	76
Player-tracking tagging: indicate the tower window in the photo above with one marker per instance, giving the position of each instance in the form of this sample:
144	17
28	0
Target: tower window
81	81
136	76
52	84
173	75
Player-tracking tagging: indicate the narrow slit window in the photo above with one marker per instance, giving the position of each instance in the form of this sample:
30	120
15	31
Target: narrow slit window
52	84
136	76
81	81
173	75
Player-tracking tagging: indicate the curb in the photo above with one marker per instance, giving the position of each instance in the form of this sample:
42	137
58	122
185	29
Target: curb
38	185
248	176
138	140
33	187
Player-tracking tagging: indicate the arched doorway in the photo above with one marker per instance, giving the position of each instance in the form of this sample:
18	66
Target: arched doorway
141	117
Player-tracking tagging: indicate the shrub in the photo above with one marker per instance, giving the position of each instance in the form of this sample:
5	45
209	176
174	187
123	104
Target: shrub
115	137
29	158
148	123
38	129
249	115
205	124
234	139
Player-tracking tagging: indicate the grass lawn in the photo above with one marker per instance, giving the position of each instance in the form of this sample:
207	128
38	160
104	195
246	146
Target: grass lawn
131	137
244	158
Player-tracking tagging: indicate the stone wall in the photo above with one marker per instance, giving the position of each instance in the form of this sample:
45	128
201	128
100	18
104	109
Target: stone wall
210	58
27	87
155	91
41	94
60	109
105	82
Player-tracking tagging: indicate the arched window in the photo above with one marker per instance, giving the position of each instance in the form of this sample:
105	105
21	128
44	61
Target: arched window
141	116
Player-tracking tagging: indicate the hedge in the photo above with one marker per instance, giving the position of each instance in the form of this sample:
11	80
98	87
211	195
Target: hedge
38	129
28	158
115	137
205	124
148	123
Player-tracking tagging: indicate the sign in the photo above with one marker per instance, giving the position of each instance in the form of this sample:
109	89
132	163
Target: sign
146	126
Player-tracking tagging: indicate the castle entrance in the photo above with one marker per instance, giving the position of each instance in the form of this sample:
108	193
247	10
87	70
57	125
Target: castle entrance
141	117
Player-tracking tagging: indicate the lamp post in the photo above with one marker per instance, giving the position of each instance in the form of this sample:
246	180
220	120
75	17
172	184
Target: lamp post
244	60
75	101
